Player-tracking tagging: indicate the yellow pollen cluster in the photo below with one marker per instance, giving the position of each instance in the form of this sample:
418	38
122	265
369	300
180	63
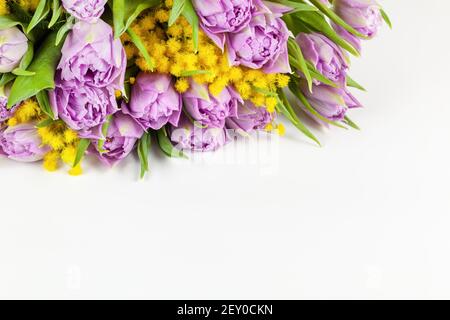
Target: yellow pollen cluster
27	5
63	143
172	50
28	111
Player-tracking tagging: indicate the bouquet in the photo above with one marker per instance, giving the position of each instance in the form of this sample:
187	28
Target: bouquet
108	78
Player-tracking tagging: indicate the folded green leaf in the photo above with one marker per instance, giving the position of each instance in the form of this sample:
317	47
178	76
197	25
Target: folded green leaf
44	66
166	145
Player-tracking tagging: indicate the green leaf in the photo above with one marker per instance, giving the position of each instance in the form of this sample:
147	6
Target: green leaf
286	108
191	16
125	12
166	145
83	145
44	66
177	9
40	14
141	47
7	22
44	103
105	128
315	21
352	83
45	123
6	78
350	123
297	54
190	73
62	32
335	18
57	11
143	150
386	18
25	62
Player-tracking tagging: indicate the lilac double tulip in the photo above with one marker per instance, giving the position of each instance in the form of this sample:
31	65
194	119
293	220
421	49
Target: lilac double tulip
122	135
85	10
5	113
363	15
13	46
22	143
91	56
154	101
325	55
263	43
188	136
219	17
210	110
250	118
332	103
92	67
84	108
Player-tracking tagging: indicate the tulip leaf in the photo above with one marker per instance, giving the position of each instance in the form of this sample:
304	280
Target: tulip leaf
296	7
62	32
386	18
125	12
40	14
57	11
25	62
44	66
7	22
320	77
105	128
45	123
143	150
350	123
177	10
44	103
286	108
6	78
297	54
83	145
315	21
166	145
191	16
335	18
190	73
352	83
141	47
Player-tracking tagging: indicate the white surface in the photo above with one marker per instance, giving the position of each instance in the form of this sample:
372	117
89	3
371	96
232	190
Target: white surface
366	216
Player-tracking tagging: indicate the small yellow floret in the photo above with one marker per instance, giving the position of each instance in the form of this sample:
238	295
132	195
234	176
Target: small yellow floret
182	85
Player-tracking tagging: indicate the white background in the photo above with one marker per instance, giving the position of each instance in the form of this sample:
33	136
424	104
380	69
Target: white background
365	216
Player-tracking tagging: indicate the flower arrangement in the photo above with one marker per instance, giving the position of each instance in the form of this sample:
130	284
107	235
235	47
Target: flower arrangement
106	78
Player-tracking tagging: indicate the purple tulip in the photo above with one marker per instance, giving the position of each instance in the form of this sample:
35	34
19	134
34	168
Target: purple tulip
347	36
84	108
219	17
209	110
325	55
188	136
331	103
154	101
123	133
250	118
5	113
363	15
22	143
263	43
91	56
13	46
85	10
